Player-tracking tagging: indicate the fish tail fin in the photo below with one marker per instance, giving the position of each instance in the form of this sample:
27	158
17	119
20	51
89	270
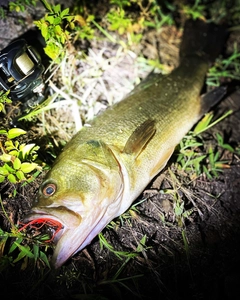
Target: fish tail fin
202	39
211	98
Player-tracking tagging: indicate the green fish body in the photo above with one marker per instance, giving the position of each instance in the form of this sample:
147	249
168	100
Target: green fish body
110	161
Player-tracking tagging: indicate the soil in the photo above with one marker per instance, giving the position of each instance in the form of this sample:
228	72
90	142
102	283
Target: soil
198	259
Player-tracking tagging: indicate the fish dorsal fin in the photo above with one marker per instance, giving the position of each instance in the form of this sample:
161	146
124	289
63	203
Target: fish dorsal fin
140	138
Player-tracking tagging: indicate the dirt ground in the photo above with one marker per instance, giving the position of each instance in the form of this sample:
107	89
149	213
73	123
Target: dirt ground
208	268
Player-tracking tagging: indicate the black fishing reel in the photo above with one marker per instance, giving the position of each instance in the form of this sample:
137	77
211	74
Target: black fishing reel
21	73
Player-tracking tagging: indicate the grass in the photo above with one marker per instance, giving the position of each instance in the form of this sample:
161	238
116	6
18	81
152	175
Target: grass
194	158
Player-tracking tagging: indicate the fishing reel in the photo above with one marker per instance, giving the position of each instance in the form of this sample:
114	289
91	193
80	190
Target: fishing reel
21	73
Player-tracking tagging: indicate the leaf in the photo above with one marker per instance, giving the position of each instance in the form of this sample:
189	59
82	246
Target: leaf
2	178
2	108
14	245
58	30
15	132
24	252
11	178
43	257
27	167
203	123
44	30
64	13
50	20
2	131
13	153
9	145
57	21
53	51
179	208
5	157
80	20
2	245
26	149
47	5
35	251
57	8
8	168
20	175
17	163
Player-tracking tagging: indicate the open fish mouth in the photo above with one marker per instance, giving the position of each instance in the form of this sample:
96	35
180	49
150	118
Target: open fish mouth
68	231
43	227
54	221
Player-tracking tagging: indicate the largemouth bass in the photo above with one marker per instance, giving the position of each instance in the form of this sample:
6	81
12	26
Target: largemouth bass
108	163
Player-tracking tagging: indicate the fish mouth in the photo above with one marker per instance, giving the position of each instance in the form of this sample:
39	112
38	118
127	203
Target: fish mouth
46	223
53	220
70	232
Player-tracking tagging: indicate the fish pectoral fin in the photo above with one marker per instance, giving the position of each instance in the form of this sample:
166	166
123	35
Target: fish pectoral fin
140	137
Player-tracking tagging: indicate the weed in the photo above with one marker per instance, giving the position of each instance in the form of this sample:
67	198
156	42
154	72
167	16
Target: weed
21	5
225	68
155	17
54	30
4	100
68	277
196	11
119	254
141	248
120	21
2	13
19	251
193	158
150	14
17	159
56	27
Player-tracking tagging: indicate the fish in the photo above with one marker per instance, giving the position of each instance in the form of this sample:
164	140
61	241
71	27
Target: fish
109	162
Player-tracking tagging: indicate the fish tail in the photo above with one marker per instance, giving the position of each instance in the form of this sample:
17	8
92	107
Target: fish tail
202	39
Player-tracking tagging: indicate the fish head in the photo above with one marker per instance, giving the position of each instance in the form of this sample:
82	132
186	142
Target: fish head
83	196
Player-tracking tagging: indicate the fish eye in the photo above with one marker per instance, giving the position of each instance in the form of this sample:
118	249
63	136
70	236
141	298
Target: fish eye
49	189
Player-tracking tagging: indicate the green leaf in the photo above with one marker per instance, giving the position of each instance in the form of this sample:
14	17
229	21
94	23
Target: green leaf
3	171
24	252
2	131
53	51
203	123
2	178
58	30
27	167
179	208
17	163
8	168
14	245
13	153
50	20
35	251
47	5
64	13
10	145
57	8
5	157
26	149
57	21
20	175
43	257
11	178
15	132
44	30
